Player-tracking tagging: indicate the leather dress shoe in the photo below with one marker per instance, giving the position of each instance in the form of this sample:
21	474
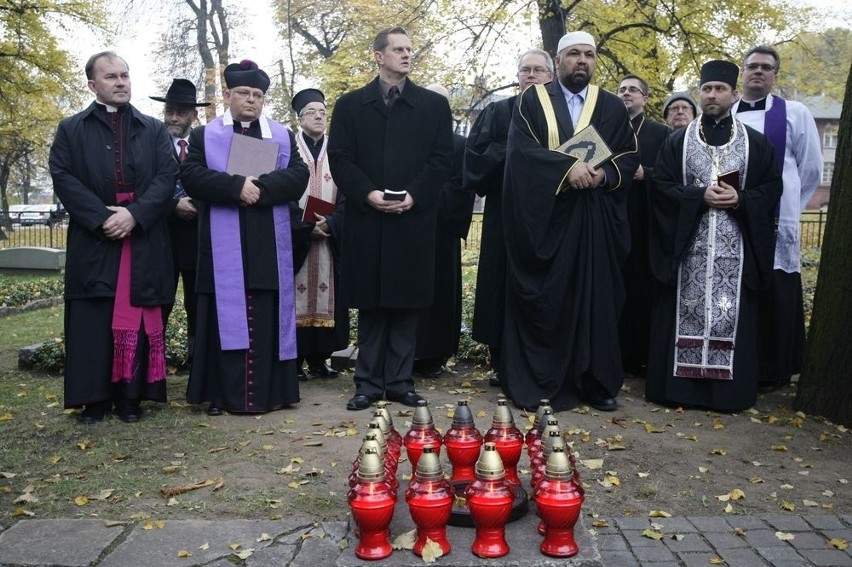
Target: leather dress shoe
360	402
596	396
494	379
409	399
214	410
128	410
92	413
433	373
323	370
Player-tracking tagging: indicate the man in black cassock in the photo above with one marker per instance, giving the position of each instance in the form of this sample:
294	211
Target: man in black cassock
638	280
716	188
439	326
113	169
484	165
390	148
566	231
245	348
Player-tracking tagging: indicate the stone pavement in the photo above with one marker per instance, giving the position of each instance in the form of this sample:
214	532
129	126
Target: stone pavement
734	541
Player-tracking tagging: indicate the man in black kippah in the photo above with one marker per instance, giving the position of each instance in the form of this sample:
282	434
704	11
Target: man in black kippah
717	186
245	347
322	319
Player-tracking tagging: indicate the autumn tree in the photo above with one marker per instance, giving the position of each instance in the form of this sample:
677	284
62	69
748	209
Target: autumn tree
825	385
811	64
39	83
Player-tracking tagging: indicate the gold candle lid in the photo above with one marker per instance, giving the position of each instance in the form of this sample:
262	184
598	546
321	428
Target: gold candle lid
371	468
502	415
489	466
383	423
422	418
428	466
558	466
463	417
553	440
382	406
371	442
376	428
541	415
552	424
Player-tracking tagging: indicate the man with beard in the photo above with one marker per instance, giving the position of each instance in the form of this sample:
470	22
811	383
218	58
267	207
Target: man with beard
179	115
484	165
638	280
114	171
793	134
390	149
566	231
717	186
245	350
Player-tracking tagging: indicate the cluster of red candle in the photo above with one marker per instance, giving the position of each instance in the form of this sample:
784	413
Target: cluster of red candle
488	464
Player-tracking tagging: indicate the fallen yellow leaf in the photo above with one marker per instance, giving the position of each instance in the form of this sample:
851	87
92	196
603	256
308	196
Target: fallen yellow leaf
838	543
787	505
716	560
784	536
659	514
431	551
235	546
652	534
81	501
779	448
184	553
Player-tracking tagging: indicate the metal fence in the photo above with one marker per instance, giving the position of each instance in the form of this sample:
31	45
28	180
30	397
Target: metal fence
53	235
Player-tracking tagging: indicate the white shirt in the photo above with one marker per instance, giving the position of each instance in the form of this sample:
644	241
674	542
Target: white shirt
575	102
801	175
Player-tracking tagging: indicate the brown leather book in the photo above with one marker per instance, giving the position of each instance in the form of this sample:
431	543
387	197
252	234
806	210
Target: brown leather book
318	206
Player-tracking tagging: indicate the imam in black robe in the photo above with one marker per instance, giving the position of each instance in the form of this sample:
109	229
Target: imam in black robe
676	211
638	280
439	326
252	380
564	252
484	166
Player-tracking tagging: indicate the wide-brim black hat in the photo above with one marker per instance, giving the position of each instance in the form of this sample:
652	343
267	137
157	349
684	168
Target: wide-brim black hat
181	92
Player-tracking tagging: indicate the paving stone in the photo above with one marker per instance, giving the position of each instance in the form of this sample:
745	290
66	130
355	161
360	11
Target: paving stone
66	543
764	538
777	554
159	547
808	540
618	559
660	564
827	557
842	534
275	556
611	542
747	522
706	524
636	539
633	523
690	542
847	519
658	554
696	559
316	551
800	563
741	556
825	522
787	523
725	541
675	525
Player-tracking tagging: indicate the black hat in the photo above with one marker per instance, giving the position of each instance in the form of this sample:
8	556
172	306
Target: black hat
246	73
182	92
718	70
303	97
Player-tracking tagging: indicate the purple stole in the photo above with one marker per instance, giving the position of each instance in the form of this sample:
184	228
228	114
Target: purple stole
228	277
775	129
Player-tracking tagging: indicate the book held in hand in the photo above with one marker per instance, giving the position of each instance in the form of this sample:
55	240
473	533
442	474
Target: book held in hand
588	146
251	156
732	178
390	195
318	206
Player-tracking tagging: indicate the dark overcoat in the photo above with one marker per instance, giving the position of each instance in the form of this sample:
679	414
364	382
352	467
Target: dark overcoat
82	165
388	261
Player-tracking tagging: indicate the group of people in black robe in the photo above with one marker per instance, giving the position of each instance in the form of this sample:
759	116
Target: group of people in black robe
609	244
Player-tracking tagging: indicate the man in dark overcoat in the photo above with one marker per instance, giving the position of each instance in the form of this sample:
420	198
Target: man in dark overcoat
390	150
113	169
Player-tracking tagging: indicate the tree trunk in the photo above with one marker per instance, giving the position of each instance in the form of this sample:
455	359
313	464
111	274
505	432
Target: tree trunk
551	22
825	386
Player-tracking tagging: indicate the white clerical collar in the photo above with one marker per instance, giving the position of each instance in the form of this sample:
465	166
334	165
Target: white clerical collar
109	107
265	131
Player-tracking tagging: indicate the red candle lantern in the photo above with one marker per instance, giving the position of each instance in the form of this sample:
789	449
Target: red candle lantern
489	498
430	500
558	500
463	442
543	412
390	460
508	440
539	458
422	433
394	437
372	506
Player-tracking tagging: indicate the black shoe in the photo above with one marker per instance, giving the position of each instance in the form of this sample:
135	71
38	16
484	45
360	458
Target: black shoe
214	410
494	379
596	395
323	370
301	375
93	413
360	402
433	373
128	410
409	399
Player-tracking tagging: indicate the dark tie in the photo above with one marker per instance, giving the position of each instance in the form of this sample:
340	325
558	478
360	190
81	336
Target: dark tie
182	151
393	94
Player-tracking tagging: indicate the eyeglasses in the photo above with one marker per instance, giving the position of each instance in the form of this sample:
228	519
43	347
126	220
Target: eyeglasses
762	66
314	111
242	93
631	90
680	108
533	70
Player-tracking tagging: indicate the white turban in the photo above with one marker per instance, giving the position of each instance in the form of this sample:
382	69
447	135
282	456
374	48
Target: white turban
575	38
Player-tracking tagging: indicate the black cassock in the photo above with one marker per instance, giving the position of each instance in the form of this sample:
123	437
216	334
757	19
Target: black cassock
564	254
638	280
675	214
439	326
484	165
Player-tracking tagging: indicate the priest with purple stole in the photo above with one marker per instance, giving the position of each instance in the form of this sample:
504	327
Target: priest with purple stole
245	354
